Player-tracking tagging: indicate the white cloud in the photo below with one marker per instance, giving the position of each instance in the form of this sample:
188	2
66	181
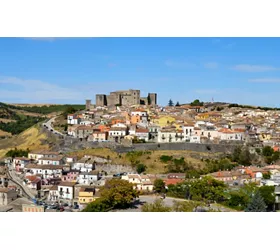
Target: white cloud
179	64
37	91
211	65
265	80
253	68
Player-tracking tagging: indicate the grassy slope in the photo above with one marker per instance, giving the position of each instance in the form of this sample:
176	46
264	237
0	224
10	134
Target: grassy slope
151	161
30	138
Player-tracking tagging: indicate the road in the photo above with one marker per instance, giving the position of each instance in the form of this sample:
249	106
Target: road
12	175
49	126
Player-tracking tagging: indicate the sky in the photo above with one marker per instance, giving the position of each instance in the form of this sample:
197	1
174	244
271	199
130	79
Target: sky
70	70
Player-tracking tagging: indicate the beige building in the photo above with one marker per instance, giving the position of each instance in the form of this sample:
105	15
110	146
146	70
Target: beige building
7	196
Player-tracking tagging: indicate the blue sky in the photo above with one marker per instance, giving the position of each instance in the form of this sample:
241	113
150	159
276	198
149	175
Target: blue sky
70	70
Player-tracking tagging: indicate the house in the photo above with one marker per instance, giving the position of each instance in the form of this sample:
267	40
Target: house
164	121
46	171
83	132
231	135
66	190
53	194
188	131
117	133
142	134
70	160
87	195
34	182
70	176
19	163
59	160
138	116
172	181
98	136
73	119
88	178
153	131
86	164
141	182
7	195
170	135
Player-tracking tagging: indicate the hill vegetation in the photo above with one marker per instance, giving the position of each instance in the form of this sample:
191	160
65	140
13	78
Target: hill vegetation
44	109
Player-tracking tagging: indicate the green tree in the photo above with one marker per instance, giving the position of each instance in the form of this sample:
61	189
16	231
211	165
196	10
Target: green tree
159	186
196	103
256	203
268	195
69	110
170	103
97	206
156	206
117	193
266	176
238	200
245	157
177	104
267	151
141	168
207	189
17	153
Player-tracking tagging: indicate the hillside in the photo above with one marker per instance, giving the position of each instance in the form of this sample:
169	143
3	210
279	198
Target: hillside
31	138
149	158
14	119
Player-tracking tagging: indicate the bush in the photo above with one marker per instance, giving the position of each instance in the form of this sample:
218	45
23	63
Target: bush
141	168
165	158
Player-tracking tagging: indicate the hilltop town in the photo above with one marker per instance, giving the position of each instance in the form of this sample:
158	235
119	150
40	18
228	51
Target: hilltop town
162	155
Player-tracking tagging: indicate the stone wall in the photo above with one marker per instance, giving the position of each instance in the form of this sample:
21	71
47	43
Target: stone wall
113	168
197	147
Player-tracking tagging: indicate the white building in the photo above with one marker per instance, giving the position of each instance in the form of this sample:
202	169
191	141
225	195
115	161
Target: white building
73	119
118	131
88	178
51	161
86	164
231	135
66	190
170	135
142	134
141	182
47	171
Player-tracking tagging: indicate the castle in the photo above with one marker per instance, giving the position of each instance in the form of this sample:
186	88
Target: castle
123	98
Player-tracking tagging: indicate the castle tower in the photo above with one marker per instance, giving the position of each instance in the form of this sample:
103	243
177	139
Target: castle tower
152	99
88	104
